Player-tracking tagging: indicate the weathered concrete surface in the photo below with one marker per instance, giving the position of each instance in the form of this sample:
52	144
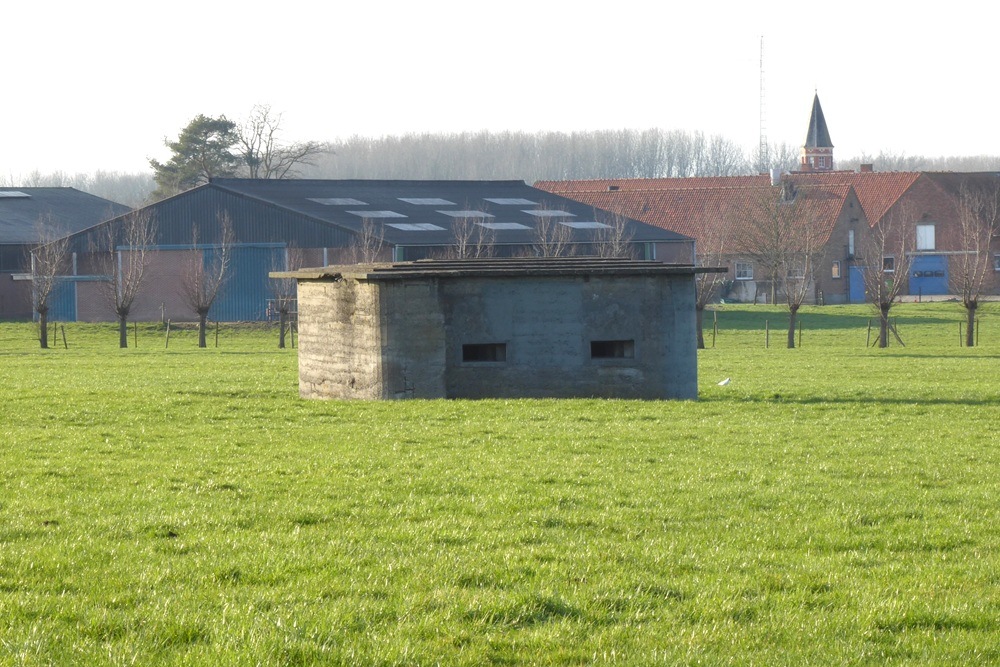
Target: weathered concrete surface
369	337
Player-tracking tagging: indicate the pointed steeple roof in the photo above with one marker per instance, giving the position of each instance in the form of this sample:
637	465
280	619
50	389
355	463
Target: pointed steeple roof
818	135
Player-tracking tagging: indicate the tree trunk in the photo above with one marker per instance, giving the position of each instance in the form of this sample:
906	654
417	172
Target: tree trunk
123	330
282	323
202	327
43	328
698	317
970	323
793	313
883	325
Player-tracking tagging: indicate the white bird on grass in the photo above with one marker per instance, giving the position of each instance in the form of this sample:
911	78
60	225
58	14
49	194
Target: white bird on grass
724	382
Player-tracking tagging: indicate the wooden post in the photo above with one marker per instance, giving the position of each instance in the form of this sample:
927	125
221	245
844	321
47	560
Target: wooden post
868	341
167	343
977	332
65	344
960	334
767	336
293	329
715	326
800	333
216	333
135	334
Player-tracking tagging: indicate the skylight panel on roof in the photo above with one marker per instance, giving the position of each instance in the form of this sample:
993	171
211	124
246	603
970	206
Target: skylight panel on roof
14	194
338	201
377	214
503	225
467	214
580	224
547	213
505	201
415	226
426	201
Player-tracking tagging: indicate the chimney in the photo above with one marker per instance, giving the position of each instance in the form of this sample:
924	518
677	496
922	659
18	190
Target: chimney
775	176
867	168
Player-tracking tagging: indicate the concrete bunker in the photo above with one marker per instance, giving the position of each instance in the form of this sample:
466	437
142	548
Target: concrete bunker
499	328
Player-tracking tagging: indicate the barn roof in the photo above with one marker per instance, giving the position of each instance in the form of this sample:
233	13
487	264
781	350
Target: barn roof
61	210
425	212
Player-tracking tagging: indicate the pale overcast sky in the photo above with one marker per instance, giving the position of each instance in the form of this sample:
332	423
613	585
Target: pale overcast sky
98	85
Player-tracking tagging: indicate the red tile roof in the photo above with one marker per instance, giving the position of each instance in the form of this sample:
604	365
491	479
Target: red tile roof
876	191
689	206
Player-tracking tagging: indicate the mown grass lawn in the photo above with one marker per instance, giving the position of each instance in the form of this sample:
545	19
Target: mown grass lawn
832	504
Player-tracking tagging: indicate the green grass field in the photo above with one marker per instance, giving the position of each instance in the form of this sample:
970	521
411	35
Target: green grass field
833	504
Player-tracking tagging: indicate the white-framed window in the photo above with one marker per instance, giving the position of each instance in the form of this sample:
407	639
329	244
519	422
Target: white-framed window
743	270
888	264
925	237
850	243
996	262
835	270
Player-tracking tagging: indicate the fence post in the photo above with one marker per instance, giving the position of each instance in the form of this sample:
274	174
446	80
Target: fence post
715	326
216	333
960	334
65	344
167	343
868	341
800	333
767	336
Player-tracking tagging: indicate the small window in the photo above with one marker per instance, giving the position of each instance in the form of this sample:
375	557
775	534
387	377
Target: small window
744	270
835	270
795	272
850	241
484	352
612	349
889	264
925	237
996	262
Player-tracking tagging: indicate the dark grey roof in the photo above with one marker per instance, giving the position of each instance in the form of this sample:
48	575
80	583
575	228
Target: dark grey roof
818	135
63	210
424	212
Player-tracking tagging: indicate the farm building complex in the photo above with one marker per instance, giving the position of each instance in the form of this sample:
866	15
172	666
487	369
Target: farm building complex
284	224
843	209
546	327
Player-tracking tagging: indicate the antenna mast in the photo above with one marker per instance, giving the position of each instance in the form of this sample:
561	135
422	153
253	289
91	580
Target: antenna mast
764	164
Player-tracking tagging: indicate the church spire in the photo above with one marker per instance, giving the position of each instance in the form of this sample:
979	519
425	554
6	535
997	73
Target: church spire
817	153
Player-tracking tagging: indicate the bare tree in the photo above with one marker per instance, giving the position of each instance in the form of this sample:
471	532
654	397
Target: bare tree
265	156
48	261
127	245
712	250
284	290
972	269
203	279
472	240
783	232
552	238
886	257
614	239
366	247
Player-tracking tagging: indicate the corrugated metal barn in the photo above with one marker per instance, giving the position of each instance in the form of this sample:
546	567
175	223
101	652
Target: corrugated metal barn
27	215
321	222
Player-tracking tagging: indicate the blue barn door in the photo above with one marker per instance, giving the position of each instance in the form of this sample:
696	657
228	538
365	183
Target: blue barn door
62	302
244	296
857	278
929	274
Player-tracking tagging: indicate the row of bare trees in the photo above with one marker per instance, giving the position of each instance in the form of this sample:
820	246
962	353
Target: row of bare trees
122	255
784	233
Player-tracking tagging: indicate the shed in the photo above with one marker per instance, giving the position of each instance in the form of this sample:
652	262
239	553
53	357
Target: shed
498	328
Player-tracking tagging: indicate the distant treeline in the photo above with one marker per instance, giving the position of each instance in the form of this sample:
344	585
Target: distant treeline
529	157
